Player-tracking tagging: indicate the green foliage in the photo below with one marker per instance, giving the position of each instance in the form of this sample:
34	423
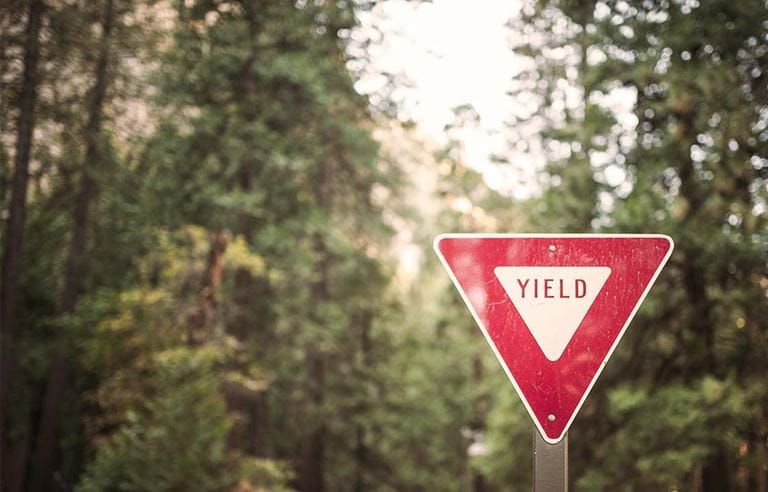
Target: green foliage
679	406
682	436
241	321
509	439
174	440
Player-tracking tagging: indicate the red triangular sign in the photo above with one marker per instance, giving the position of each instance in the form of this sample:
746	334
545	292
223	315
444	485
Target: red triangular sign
553	307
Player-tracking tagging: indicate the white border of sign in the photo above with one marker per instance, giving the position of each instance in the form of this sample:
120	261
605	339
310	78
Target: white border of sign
435	246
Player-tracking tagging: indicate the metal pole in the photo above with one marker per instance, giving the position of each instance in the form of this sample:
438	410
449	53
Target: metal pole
550	464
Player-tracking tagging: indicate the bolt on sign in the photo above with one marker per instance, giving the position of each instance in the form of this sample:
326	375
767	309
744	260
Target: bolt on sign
553	307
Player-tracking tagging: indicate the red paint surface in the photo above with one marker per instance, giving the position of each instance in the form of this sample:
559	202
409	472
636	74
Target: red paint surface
554	387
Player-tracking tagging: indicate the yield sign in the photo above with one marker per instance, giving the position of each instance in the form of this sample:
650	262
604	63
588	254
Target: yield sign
553	307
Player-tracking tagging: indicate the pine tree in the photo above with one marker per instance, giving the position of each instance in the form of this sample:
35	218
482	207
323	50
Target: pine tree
681	403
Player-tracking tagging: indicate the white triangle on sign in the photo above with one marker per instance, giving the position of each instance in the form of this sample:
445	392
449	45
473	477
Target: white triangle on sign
552	300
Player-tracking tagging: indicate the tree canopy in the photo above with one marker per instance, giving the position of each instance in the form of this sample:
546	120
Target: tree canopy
203	281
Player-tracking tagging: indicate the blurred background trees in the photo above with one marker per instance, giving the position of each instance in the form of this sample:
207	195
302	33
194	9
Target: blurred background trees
205	225
689	160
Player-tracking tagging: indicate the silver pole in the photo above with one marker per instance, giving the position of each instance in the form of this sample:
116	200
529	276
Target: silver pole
550	464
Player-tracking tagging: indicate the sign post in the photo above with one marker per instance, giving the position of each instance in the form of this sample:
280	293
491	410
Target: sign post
550	464
553	308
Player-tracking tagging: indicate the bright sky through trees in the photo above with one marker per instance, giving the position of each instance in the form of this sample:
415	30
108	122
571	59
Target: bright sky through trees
451	54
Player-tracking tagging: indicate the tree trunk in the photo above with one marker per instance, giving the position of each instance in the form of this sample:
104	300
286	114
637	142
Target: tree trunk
311	474
201	321
362	453
761	455
361	460
716	473
47	442
251	433
758	453
14	453
312	453
77	252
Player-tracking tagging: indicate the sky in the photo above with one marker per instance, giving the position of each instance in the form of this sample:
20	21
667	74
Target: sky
453	52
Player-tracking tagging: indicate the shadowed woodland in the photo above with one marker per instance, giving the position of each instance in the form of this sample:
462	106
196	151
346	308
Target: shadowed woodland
205	226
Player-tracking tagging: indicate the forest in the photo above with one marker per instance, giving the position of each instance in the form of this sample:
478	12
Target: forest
205	220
